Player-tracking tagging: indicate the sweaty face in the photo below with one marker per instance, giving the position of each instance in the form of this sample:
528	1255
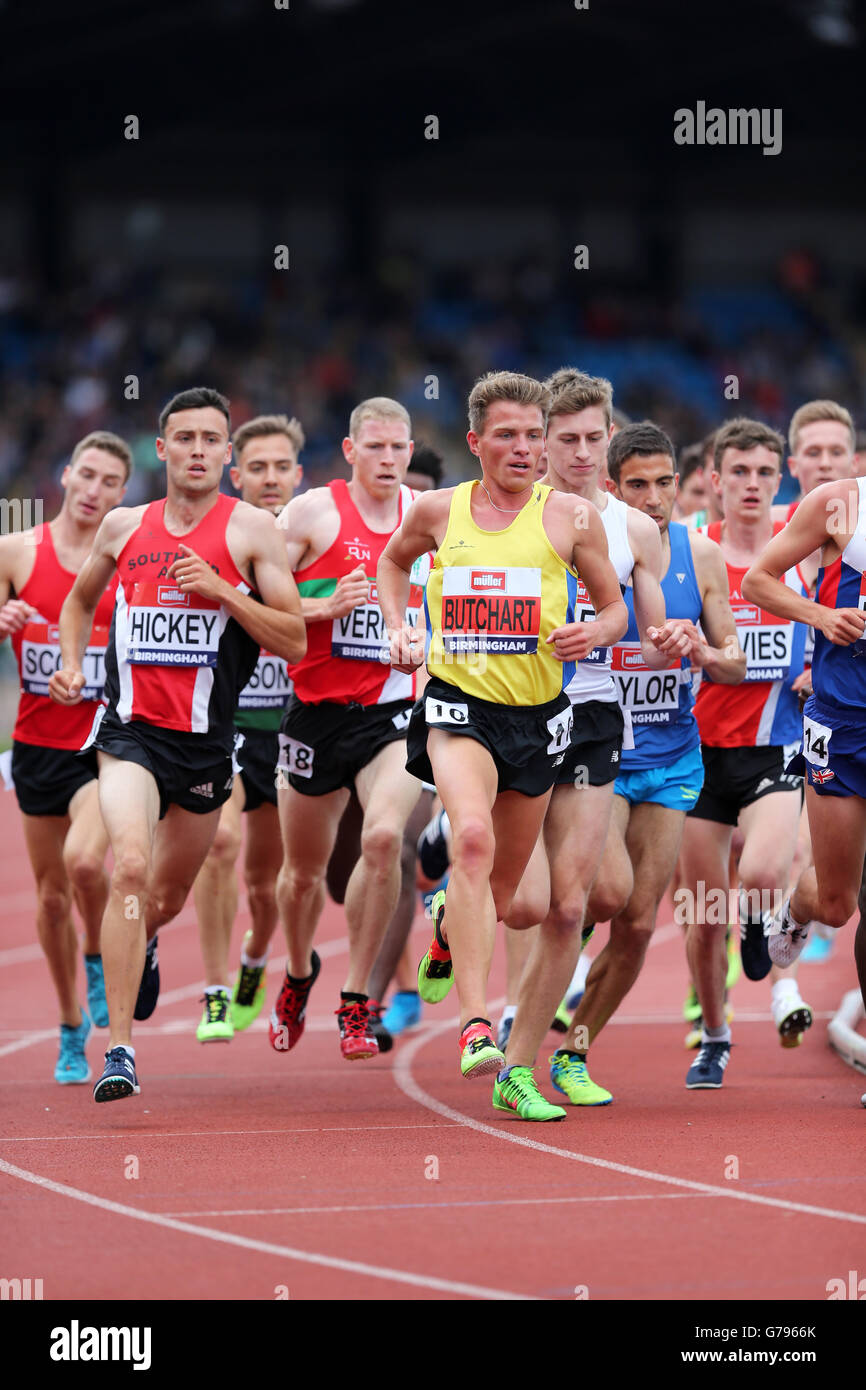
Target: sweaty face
577	449
747	481
510	444
267	472
693	493
650	485
824	454
94	483
195	449
380	455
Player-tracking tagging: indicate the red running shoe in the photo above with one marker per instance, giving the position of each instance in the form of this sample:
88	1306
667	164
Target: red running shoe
286	1023
357	1038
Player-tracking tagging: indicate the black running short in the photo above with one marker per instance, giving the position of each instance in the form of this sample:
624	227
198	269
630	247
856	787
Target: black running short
257	760
324	747
46	779
596	745
528	743
737	777
193	771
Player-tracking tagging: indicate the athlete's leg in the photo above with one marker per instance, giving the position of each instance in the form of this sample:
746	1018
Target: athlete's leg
770	826
652	839
518	948
397	932
828	891
388	795
574	834
346	851
263	860
860	937
705	858
84	853
216	889
309	829
44	837
180	846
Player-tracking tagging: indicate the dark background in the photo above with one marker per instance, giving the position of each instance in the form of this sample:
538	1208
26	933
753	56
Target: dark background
409	257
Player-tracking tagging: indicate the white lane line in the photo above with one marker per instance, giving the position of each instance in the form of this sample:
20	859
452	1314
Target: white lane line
434	1206
207	1133
409	1086
30	1040
285	1252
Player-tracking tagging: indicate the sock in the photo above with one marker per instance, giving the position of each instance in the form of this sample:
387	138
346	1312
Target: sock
508	1012
786	912
569	1052
96	957
348	998
128	1049
485	1021
217	989
720	1034
783	987
254	962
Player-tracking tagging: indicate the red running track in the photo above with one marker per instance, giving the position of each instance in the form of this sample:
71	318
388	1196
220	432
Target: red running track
242	1173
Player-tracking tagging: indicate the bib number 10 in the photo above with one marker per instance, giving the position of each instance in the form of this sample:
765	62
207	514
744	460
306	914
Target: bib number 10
443	714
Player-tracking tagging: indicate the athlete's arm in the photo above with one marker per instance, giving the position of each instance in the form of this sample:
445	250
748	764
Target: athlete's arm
297	521
574	641
14	612
716	648
420	531
276	623
822	519
76	615
661	642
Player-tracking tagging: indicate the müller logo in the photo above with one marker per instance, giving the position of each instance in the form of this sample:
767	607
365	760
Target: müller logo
746	613
632	659
175	596
487	580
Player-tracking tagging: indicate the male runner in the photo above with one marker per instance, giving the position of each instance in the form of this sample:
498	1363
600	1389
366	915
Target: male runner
346	723
744	733
565	860
265	472
661	777
56	789
185	638
495	722
832	518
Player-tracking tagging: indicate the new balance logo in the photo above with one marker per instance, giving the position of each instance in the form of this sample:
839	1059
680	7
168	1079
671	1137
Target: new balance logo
205	789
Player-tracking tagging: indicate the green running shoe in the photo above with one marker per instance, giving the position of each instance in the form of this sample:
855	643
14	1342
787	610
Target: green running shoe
570	1076
216	1024
479	1055
435	973
518	1095
248	995
692	1006
562	1018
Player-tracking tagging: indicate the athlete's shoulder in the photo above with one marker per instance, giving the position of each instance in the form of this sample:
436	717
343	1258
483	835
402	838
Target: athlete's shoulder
571	506
14	545
707	556
435	502
119	524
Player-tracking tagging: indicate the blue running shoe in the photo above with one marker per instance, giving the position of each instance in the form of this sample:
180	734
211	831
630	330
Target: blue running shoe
818	949
148	990
119	1079
403	1012
72	1068
708	1069
96	1000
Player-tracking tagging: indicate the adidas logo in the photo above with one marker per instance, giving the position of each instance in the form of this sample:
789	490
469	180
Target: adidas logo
205	789
763	784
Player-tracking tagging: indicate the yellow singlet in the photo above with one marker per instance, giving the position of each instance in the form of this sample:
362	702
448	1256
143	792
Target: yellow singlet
493	599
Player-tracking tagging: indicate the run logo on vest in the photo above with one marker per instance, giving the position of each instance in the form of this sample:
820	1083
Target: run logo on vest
491	610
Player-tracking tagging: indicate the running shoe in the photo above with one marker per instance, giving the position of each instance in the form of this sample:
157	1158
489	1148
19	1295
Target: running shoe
119	1079
216	1021
248	996
786	940
404	1012
503	1032
515	1092
562	1018
479	1055
72	1068
286	1023
570	1076
819	949
754	952
792	1018
96	1000
708	1069
734	962
433	853
435	973
148	990
692	1006
377	1026
357	1039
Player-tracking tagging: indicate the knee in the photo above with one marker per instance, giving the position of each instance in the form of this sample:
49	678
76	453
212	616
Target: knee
54	901
225	848
566	916
630	937
519	913
85	872
473	846
168	900
131	870
606	900
381	845
261	895
836	907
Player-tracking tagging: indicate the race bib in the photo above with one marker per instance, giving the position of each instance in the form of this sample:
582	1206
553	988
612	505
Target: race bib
269	686
40	658
816	742
585	613
295	757
559	728
492	610
362	635
443	714
768	646
167	627
651	697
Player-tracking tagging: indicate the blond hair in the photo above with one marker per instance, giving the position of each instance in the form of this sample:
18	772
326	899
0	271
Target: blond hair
110	444
573	391
264	425
377	408
745	434
812	412
505	386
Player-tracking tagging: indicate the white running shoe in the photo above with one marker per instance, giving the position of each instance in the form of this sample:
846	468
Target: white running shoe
785	941
792	1017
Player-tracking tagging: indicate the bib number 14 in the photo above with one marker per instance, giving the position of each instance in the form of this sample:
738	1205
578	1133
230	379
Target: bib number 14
816	742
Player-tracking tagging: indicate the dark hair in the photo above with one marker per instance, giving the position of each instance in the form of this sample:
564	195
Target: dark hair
643	439
745	434
426	460
110	444
690	460
196	398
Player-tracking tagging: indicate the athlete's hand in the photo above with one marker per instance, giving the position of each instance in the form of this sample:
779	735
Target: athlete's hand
573	641
407	648
803	682
66	685
193	575
351	590
679	637
841	626
13	616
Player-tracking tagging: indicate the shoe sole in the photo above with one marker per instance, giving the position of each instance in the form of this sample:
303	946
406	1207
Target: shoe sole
221	1038
360	1054
115	1089
487	1066
703	1085
583	1104
74	1080
792	1028
528	1119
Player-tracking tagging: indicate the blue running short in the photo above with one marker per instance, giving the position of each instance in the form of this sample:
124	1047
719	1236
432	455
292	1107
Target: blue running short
678	785
833	754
